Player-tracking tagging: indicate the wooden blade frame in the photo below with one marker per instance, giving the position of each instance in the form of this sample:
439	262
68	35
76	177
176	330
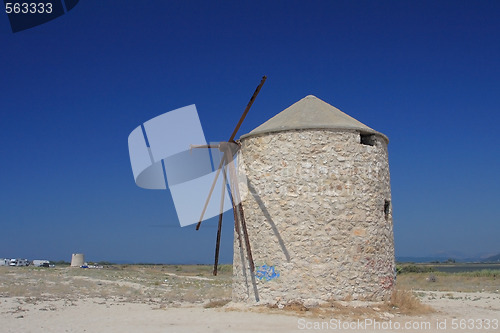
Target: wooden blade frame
231	139
249	105
219	226
239	217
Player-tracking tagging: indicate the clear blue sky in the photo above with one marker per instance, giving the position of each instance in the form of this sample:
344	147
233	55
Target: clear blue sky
425	73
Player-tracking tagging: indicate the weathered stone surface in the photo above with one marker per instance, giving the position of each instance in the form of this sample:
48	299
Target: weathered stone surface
319	219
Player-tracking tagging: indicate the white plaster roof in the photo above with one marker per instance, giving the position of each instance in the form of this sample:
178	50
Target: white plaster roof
311	113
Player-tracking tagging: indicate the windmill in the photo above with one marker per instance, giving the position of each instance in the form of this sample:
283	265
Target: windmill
154	161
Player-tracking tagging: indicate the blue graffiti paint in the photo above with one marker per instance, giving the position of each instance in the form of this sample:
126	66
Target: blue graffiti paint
266	272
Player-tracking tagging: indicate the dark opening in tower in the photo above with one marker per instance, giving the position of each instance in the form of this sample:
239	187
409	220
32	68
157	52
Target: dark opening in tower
387	209
367	139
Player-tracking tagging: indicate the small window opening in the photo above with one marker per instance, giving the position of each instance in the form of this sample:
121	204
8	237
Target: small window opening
367	139
387	209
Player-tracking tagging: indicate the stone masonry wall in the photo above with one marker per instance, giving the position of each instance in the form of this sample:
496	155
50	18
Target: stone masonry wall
319	218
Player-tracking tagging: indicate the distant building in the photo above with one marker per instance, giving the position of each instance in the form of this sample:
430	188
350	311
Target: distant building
77	259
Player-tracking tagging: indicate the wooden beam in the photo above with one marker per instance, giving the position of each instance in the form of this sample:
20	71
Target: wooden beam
252	99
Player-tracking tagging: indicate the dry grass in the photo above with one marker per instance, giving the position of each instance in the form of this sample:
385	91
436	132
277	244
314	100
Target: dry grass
330	310
296	307
176	285
151	284
216	303
404	301
471	282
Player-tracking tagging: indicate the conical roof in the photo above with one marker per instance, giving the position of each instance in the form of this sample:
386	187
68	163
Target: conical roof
311	113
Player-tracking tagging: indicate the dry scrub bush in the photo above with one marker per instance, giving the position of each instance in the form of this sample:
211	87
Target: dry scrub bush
219	303
405	302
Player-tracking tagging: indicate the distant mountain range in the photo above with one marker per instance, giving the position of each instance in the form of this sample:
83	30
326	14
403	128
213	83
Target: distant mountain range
495	258
458	257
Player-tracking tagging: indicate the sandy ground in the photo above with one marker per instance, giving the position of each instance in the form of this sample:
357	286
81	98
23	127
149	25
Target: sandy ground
25	307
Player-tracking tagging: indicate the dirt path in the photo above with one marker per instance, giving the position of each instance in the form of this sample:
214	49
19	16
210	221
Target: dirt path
21	314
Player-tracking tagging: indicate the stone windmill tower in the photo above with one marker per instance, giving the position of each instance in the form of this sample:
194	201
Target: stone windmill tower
318	209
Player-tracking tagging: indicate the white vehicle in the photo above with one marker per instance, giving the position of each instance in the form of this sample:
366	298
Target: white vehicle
18	262
41	263
4	262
